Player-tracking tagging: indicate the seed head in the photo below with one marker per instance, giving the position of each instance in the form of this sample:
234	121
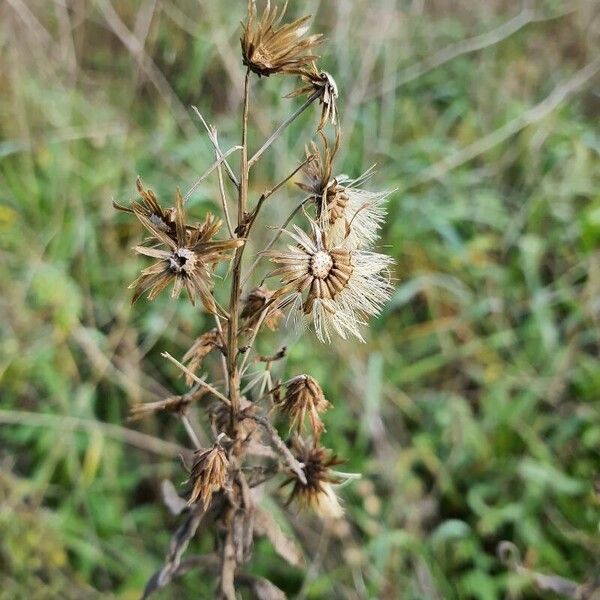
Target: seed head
330	286
323	83
190	253
268	48
318	493
346	212
200	349
304	396
209	474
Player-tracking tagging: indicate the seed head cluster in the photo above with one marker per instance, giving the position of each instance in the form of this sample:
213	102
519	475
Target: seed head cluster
328	277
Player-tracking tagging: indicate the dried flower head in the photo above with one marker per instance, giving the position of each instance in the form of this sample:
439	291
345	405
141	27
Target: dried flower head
190	253
199	350
318	492
209	474
344	210
332	286
253	307
268	48
304	396
322	83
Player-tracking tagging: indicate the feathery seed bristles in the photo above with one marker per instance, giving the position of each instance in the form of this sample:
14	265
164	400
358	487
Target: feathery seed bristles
318	492
331	286
268	48
346	212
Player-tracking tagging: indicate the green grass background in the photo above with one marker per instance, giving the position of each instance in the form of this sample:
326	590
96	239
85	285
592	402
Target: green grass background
473	409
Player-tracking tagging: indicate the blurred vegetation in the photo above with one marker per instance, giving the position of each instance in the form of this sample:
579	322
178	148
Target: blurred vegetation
472	412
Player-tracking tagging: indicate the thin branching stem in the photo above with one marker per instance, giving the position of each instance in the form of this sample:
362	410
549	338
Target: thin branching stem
296	466
234	300
209	171
283	126
273	241
197	379
265	195
212	136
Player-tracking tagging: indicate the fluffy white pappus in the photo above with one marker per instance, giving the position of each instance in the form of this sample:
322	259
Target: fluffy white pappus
364	214
355	287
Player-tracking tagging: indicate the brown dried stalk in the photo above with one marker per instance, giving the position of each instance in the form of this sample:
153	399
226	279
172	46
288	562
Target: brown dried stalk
331	277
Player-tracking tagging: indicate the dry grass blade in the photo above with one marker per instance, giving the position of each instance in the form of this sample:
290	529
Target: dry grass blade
288	549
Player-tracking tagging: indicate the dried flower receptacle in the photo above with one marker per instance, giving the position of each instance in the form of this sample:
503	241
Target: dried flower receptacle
269	48
190	255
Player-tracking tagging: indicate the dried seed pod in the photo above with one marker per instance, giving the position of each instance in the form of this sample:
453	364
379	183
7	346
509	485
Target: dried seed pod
318	493
330	286
324	84
254	304
269	48
209	474
190	254
304	396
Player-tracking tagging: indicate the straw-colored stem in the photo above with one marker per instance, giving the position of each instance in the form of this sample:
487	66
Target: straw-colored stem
282	127
234	300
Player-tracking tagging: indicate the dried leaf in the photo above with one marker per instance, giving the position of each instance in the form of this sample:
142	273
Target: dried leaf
265	525
175	503
262	588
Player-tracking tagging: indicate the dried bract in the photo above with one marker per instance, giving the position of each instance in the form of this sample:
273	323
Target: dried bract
190	255
318	493
268	48
304	396
324	84
332	286
209	474
200	349
255	303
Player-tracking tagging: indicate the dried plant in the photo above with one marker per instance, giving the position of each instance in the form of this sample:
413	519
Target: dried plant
329	276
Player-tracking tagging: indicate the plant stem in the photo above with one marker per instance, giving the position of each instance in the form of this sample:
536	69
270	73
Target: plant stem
276	237
232	345
279	130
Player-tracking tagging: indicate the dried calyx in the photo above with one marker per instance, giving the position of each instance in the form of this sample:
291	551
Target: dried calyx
190	253
209	474
318	493
268	47
303	397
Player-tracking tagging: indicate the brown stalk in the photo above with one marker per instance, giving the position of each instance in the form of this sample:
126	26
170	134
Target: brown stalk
234	300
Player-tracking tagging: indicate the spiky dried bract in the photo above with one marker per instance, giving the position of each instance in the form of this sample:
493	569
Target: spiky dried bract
209	474
254	304
323	83
344	210
199	350
190	253
269	48
318	492
304	396
331	286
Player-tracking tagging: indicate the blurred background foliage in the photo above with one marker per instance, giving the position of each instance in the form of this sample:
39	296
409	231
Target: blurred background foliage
472	412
